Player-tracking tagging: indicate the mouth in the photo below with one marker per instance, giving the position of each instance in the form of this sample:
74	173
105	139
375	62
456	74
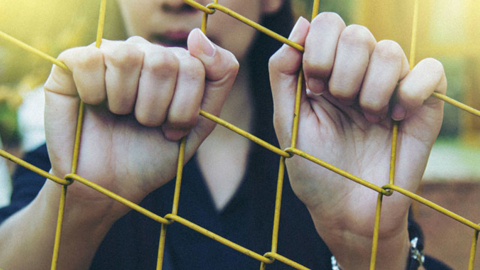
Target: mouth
171	39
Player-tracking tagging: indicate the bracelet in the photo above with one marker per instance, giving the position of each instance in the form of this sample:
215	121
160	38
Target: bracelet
334	263
415	258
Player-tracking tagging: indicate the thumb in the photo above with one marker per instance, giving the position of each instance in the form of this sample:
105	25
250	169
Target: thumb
284	66
221	68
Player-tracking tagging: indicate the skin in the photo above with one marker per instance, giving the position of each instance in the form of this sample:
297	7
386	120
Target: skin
347	108
145	18
168	23
345	120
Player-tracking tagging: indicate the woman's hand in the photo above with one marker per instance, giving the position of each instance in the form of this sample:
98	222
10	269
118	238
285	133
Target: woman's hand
141	98
355	86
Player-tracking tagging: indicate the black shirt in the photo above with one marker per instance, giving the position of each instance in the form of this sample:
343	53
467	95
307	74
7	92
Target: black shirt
132	243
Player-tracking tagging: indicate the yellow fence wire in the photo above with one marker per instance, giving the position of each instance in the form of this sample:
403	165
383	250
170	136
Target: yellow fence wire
272	255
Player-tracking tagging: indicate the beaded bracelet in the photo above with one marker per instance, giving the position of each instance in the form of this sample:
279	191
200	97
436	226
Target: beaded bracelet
415	258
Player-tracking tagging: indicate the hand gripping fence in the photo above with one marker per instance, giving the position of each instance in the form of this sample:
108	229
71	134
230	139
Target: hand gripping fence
272	255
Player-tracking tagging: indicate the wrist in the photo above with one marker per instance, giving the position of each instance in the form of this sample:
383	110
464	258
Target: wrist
83	228
91	203
350	237
92	214
415	258
390	255
353	251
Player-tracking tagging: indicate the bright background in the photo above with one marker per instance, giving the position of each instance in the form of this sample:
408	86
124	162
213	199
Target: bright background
448	31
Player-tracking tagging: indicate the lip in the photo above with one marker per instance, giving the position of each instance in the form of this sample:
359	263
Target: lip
171	38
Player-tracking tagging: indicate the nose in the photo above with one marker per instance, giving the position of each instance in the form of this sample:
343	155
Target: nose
176	7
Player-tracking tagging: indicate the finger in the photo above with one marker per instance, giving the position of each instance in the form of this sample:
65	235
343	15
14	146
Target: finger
284	66
156	84
189	90
417	87
123	63
355	46
86	78
320	49
388	65
221	68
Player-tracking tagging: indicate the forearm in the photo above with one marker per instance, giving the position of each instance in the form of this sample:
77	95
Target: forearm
27	238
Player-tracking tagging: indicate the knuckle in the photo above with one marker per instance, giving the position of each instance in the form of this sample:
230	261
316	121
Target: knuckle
356	35
434	65
432	74
226	69
65	55
124	55
274	61
389	50
137	39
193	67
161	62
328	18
84	58
232	65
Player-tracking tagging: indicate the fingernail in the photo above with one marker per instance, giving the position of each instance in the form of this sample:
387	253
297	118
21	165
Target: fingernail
206	45
398	113
372	118
310	93
316	86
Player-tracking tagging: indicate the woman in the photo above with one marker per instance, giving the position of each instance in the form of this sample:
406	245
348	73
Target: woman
144	94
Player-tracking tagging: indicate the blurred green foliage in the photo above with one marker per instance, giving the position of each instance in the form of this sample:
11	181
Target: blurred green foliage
9	102
50	26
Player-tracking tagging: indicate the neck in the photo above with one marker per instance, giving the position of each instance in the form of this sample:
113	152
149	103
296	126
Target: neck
238	108
222	157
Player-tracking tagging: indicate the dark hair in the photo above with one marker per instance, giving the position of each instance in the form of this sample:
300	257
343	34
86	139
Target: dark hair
263	47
